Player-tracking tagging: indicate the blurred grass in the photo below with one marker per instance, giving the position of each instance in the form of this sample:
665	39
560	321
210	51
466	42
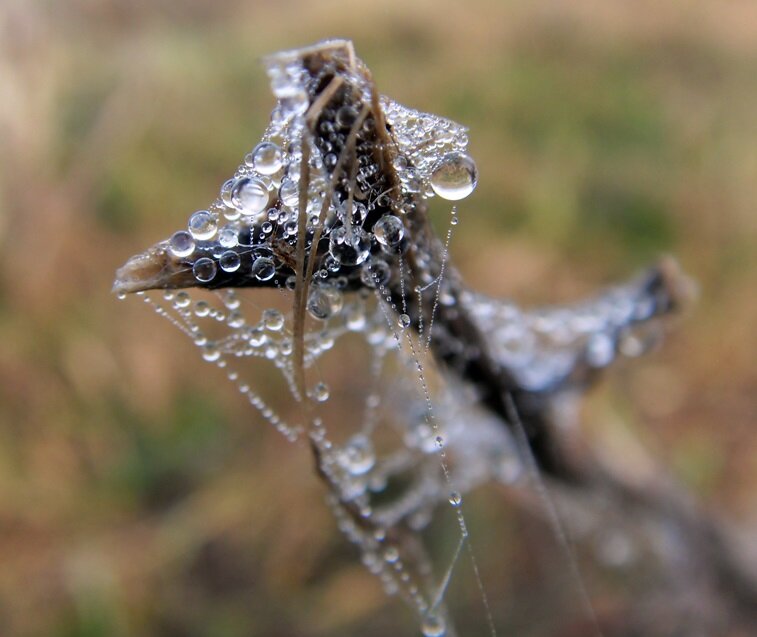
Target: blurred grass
138	495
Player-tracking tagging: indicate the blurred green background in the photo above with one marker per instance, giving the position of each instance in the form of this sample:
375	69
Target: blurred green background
138	493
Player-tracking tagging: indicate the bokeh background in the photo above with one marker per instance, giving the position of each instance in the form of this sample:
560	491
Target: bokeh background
138	493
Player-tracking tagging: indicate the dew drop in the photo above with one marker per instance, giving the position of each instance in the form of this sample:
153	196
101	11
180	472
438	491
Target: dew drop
181	244
455	499
356	319
358	456
211	353
600	350
249	195
273	320
182	300
267	158
235	320
403	321
324	303
320	392
290	193
293	99
376	273
204	269
226	193
229	261
263	269
350	248
391	554
227	237
433	626
454	177
202	225
389	231
346	116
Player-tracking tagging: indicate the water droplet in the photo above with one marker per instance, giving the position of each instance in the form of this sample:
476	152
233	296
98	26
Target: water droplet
324	302
228	238
204	269
375	273
350	248
391	554
293	99
267	158
455	499
454	177
211	353
433	625
226	193
320	392
202	225
182	300
229	261
356	319
600	350
403	321
235	320
346	116
249	196
263	269
357	456
389	231
181	244
273	320
289	193
202	309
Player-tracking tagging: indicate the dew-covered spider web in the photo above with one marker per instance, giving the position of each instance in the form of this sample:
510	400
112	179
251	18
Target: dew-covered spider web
326	220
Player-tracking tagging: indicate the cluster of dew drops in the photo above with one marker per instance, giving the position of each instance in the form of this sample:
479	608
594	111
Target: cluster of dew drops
264	193
261	202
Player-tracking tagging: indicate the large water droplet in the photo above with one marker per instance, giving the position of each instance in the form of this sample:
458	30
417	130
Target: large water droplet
181	244
389	231
229	261
249	196
267	158
204	269
290	193
202	225
182	300
454	177
350	248
346	116
324	302
263	269
228	237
